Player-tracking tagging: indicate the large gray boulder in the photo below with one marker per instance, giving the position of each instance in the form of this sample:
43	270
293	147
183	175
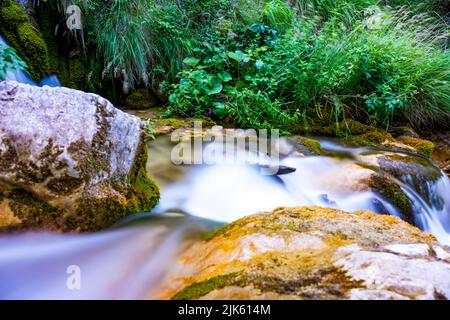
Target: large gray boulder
69	160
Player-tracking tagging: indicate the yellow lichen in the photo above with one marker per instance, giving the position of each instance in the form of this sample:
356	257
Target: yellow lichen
289	252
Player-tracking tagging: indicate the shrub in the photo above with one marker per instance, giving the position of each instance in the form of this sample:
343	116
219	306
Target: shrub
233	85
378	73
143	42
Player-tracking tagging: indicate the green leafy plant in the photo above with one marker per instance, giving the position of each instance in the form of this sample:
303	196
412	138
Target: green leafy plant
9	61
234	85
149	130
280	64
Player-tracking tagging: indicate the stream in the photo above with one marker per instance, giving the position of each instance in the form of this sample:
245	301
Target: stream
131	259
23	77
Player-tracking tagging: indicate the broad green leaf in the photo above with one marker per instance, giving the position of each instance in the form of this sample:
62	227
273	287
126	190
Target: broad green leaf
191	62
225	76
219	105
214	86
238	55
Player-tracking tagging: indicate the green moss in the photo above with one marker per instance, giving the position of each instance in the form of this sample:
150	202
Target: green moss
142	194
344	128
64	185
140	99
312	145
199	289
311	281
178	123
423	147
171	122
33	211
24	38
144	188
394	194
14	14
372	138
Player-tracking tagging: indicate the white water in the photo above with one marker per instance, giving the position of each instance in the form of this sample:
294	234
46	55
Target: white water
130	262
229	192
23	77
123	263
432	216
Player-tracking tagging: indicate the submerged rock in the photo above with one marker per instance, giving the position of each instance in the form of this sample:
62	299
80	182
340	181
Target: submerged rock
313	253
69	160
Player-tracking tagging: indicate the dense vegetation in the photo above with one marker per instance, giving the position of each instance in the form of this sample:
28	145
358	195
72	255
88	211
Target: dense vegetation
278	64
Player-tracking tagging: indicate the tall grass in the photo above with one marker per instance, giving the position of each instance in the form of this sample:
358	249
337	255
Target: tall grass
376	73
138	39
143	42
378	68
340	58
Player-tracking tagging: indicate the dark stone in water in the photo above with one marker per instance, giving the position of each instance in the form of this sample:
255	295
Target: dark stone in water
285	170
280	170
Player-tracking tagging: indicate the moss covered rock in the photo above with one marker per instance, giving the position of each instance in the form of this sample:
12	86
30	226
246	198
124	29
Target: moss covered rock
69	160
390	190
422	146
305	145
24	38
140	99
313	253
359	134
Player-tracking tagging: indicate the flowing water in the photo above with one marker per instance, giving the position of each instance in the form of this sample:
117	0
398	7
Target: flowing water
131	259
229	192
23	77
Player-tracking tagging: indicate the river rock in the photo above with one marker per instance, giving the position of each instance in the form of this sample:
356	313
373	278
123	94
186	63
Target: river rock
313	253
69	160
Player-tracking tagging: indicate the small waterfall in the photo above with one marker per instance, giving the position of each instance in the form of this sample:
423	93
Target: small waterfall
23	77
431	204
51	81
225	193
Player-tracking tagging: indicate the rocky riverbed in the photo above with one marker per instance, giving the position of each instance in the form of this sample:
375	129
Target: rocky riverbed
341	222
